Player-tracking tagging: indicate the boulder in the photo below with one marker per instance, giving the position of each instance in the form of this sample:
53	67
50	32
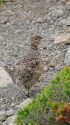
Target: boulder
10	120
10	112
62	39
65	22
5	79
2	116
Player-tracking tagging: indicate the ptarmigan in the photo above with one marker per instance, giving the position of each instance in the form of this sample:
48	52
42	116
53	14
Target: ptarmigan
30	67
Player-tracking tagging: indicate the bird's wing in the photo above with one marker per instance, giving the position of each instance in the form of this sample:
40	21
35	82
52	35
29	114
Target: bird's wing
27	66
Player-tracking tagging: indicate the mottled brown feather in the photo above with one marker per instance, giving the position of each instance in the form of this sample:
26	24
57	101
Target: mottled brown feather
30	67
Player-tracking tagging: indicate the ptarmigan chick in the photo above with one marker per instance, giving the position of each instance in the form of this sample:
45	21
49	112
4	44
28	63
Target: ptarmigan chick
30	67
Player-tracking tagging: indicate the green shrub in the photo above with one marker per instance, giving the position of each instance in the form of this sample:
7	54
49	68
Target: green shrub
2	0
46	108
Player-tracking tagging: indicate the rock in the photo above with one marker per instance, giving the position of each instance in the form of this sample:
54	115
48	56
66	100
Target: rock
63	2
37	20
59	67
12	124
2	116
45	68
65	22
18	31
10	120
19	6
52	64
0	123
5	79
67	57
46	46
2	39
28	100
62	39
68	5
56	14
55	0
10	112
12	105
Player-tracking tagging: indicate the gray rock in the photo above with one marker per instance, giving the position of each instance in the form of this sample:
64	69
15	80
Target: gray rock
4	123
65	22
67	57
53	63
12	105
2	39
2	116
56	14
45	68
10	112
10	120
18	31
0	123
37	20
28	100
5	79
62	39
68	5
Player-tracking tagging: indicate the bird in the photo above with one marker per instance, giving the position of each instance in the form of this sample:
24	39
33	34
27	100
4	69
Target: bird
30	67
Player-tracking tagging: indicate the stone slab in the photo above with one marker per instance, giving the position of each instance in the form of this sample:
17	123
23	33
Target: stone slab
62	39
5	79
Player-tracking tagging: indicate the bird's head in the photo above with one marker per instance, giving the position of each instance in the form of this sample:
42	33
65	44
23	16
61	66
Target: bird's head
35	41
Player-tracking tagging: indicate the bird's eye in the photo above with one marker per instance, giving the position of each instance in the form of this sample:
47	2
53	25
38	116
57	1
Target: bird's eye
35	38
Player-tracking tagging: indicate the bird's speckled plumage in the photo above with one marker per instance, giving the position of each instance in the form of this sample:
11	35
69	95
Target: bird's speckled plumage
30	67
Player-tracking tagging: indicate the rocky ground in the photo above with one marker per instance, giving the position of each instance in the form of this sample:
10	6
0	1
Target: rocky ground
19	20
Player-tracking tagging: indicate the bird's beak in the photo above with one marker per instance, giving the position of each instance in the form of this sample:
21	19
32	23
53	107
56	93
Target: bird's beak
40	37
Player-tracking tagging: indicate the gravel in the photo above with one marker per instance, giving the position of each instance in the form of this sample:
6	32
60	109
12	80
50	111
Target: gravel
20	20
